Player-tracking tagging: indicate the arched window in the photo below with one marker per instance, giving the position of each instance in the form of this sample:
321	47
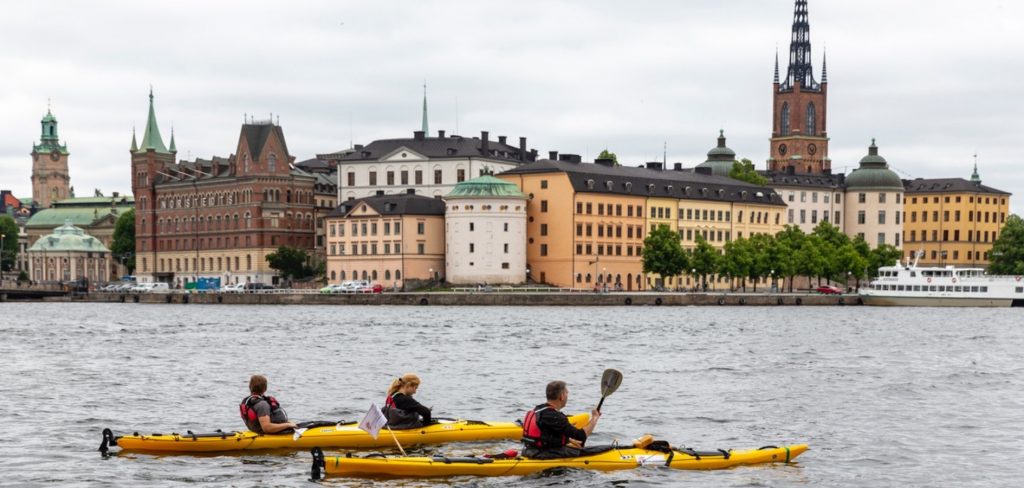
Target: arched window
374	275
334	275
387	274
272	162
398	274
811	120
342	274
784	123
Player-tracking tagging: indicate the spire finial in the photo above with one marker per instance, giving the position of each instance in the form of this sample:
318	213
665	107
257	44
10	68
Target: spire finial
48	102
824	65
776	79
426	127
975	177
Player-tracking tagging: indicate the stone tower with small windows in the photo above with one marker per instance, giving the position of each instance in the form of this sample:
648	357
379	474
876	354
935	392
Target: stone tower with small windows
799	132
51	181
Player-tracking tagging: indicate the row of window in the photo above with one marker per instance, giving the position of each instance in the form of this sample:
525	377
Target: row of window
811	125
365	275
370	228
946	199
862	217
814	216
485	208
791	197
936	255
211	264
983	236
604	230
403	177
602	250
936	288
371	248
189	244
972	216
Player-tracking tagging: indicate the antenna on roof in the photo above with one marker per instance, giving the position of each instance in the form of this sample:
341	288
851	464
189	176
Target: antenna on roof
664	154
456	115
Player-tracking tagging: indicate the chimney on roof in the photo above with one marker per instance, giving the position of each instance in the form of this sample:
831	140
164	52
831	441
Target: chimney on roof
440	134
502	139
418	135
358	147
702	170
380	193
485	143
678	167
410	191
522	148
605	162
553	155
570	158
115	194
654	165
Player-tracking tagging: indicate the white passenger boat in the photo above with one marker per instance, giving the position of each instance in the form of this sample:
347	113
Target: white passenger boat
907	285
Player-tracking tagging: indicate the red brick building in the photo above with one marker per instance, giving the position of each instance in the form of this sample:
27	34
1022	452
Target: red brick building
218	218
799	132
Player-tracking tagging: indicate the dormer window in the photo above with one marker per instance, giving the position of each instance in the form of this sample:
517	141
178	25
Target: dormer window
609	185
590	184
668	188
628	185
687	190
704	191
650	188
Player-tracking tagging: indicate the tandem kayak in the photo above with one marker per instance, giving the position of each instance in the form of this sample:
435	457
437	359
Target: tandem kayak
611	458
346	435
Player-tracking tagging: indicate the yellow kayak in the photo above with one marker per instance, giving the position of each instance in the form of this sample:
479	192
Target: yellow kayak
322	434
614	458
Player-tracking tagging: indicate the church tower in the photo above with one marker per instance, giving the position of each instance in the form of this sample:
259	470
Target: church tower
51	181
799	132
149	160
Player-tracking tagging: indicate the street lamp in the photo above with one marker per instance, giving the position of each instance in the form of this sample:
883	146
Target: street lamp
431	271
693	275
527	275
772	274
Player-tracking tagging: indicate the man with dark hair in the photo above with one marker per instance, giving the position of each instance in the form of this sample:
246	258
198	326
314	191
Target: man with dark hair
262	413
547	432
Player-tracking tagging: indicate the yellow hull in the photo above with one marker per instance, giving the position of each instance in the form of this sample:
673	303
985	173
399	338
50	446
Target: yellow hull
615	459
346	436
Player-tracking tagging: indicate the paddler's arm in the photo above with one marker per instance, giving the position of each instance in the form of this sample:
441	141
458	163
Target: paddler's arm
589	428
272	428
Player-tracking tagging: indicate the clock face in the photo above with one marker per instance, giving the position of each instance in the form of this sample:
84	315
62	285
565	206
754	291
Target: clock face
812	148
55	155
782	149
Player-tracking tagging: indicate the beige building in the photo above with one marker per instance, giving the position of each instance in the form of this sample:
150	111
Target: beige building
393	240
51	181
69	254
485	233
874	201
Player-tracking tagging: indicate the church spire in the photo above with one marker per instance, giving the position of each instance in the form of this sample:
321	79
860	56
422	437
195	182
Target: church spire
776	79
824	66
800	51
151	137
975	177
172	148
135	147
426	128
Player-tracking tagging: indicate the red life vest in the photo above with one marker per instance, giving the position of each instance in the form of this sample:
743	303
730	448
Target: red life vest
248	412
531	429
390	400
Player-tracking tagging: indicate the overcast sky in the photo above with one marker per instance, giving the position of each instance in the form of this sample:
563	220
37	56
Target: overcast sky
935	81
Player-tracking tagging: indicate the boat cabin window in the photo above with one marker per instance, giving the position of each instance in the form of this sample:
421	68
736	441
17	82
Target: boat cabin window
1020	289
984	289
913	274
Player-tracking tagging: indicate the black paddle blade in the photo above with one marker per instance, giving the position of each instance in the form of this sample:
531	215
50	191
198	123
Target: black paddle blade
610	381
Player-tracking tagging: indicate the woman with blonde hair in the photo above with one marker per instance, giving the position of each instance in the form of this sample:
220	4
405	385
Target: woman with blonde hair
400	408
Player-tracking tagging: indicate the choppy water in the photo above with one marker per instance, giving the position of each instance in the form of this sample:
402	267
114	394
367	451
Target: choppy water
885	397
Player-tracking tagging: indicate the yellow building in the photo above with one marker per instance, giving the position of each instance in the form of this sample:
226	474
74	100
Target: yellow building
386	239
586	223
953	221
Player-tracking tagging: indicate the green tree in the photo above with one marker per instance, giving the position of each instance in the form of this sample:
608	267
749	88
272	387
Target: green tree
850	260
663	255
760	264
704	260
744	171
1007	256
736	261
606	154
811	257
9	251
832	241
884	255
123	245
291	263
787	244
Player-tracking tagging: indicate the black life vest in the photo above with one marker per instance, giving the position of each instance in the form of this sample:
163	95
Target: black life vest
248	411
531	429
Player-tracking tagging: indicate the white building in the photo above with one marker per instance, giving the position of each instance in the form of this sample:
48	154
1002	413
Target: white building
485	233
432	166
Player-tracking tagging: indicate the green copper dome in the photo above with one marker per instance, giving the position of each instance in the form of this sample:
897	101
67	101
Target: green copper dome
68	238
485	186
874	172
720	158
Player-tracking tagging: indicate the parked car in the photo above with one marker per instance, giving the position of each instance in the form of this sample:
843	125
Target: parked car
335	288
258	286
829	290
365	287
155	287
233	288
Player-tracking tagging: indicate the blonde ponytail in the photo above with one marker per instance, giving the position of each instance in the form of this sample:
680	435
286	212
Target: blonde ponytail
401	381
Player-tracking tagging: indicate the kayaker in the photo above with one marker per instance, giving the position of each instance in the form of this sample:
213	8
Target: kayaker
547	432
262	413
400	408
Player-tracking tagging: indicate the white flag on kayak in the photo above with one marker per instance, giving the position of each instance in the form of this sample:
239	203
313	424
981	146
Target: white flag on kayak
373	421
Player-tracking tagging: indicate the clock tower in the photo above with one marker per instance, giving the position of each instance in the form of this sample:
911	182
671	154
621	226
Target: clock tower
799	132
51	181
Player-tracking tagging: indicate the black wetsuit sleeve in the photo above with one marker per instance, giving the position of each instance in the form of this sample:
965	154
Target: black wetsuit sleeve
409	404
555	423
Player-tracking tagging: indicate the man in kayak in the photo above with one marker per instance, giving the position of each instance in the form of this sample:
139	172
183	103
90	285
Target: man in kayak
262	413
400	408
547	432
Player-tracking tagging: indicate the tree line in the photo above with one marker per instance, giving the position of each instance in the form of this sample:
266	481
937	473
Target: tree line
825	253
